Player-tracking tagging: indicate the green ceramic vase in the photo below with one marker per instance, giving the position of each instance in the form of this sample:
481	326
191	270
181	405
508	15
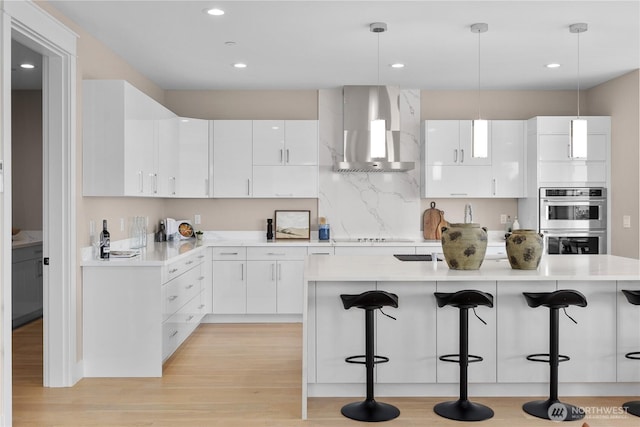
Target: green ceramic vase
524	249
464	245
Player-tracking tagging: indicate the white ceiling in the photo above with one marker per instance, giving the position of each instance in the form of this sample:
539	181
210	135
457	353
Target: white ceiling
324	44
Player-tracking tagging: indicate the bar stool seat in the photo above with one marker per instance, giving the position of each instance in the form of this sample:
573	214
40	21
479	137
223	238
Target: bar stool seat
463	409
369	410
553	408
632	407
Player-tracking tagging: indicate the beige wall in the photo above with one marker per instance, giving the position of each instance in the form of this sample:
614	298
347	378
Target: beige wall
26	159
620	98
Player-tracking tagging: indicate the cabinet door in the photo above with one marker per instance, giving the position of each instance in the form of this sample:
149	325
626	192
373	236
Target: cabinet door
139	148
457	181
301	142
592	360
193	158
522	331
442	141
261	286
465	157
507	162
268	142
409	341
167	154
229	287
339	333
290	284
232	166
482	338
628	338
285	181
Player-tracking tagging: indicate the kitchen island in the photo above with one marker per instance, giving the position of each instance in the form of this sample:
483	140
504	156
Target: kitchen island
606	329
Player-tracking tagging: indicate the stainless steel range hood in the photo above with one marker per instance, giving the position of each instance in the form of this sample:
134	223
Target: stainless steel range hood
362	106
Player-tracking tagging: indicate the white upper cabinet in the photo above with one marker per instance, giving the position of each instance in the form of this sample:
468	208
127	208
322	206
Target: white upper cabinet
549	157
285	142
232	154
448	142
128	141
450	171
193	158
507	162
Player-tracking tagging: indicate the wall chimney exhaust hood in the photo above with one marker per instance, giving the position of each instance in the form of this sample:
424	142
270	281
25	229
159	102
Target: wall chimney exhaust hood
371	130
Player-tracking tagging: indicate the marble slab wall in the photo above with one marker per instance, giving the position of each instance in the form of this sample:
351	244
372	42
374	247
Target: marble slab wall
369	204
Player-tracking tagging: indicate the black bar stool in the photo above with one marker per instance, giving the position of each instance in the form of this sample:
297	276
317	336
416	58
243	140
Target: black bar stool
632	407
463	409
369	410
552	408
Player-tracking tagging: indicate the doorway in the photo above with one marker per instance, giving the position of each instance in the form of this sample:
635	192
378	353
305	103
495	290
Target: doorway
31	26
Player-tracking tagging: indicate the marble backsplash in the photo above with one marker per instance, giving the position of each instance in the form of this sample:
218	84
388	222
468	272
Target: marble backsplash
369	204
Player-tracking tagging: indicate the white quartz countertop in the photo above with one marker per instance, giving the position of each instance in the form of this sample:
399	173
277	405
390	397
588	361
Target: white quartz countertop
155	254
388	268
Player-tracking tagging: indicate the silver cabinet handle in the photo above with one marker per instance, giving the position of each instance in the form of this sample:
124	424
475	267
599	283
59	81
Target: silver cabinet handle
279	271
154	177
190	318
201	278
458	194
201	306
287	155
248	187
321	253
174	186
173	270
275	254
242	272
495	186
284	194
200	256
190	286
281	156
173	334
206	187
461	155
455	156
189	262
228	253
273	272
173	298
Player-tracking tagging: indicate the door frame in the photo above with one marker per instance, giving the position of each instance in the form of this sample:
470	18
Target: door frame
30	25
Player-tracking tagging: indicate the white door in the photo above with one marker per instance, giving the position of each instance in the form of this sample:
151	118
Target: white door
167	154
442	140
193	157
507	163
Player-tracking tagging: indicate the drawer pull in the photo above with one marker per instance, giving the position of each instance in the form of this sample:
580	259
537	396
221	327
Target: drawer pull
275	254
228	253
201	256
321	253
190	318
201	306
190	286
173	298
173	270
201	278
173	334
189	262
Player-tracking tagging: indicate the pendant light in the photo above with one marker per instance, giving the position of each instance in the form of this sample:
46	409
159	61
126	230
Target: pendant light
480	127
378	127
578	131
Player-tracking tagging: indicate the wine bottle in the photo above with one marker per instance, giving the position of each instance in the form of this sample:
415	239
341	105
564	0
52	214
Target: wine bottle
105	241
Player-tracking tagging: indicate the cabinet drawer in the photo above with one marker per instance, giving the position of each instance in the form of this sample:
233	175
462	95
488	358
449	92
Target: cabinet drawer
276	252
180	290
230	253
179	267
23	254
320	250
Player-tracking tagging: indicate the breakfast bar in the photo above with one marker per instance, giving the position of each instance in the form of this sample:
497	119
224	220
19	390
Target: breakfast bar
606	328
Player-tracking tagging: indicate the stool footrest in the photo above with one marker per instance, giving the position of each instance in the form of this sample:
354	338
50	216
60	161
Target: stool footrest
635	355
455	358
546	357
376	359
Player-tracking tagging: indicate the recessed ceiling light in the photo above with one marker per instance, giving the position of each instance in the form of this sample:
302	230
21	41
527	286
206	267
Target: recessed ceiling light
240	65
553	65
397	65
215	11
27	66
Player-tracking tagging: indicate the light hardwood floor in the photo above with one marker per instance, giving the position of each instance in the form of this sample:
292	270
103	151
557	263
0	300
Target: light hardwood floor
228	375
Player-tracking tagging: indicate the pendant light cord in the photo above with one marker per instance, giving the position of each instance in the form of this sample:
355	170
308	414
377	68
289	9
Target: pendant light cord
378	77
479	117
578	75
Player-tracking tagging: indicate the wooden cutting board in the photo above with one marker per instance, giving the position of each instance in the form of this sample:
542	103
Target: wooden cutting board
432	222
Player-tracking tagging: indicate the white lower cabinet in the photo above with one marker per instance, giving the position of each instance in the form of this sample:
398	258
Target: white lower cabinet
124	335
482	338
628	334
229	280
26	284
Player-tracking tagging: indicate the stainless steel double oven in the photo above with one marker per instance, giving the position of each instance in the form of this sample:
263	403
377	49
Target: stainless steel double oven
574	220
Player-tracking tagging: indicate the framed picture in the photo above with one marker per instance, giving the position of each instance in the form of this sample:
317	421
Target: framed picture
293	224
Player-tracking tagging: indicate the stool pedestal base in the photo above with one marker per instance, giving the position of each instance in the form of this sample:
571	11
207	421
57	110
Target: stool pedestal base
463	410
632	407
370	411
553	409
